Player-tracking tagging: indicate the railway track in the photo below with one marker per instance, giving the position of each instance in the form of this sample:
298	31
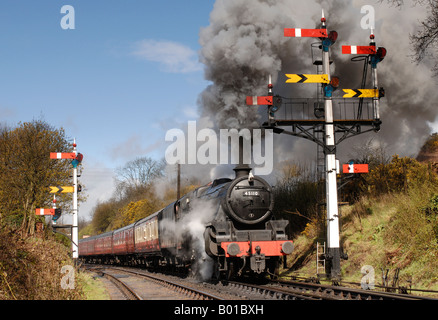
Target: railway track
179	289
125	289
295	290
275	290
328	292
268	292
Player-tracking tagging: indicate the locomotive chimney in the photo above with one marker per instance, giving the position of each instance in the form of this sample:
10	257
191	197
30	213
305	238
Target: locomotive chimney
241	168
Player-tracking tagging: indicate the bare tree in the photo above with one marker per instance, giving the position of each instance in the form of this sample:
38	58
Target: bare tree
373	152
136	175
425	40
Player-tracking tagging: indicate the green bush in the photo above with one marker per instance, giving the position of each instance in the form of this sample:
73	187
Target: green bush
400	175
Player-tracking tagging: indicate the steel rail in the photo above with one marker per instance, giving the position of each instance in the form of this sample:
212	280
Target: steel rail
123	287
274	292
344	293
187	290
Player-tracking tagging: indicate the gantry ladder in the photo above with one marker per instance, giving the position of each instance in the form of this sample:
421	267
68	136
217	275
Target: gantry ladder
320	259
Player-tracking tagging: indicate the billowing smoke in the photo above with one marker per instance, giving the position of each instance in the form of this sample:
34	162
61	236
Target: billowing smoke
409	105
244	43
242	46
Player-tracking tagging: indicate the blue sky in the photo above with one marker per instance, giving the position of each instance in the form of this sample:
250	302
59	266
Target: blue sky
128	72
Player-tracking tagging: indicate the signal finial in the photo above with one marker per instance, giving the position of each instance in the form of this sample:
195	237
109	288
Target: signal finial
323	20
270	86
373	43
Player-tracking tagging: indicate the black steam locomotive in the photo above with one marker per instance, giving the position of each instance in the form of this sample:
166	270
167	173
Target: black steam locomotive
220	230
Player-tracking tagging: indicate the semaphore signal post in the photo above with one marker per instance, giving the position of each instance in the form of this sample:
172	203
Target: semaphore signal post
56	212
332	121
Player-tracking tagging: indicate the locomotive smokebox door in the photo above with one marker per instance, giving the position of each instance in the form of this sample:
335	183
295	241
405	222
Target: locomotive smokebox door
249	202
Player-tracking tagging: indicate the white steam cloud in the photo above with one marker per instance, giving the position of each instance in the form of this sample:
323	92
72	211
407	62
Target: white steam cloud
174	57
191	226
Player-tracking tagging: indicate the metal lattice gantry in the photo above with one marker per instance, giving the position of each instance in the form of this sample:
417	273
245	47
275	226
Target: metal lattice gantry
326	120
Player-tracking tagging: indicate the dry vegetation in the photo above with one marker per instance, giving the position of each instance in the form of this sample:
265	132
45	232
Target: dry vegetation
389	232
393	223
30	268
31	264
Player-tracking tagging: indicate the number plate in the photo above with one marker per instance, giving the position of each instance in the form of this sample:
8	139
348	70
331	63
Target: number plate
252	193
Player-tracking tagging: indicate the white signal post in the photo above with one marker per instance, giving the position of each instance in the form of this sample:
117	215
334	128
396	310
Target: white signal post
74	230
333	243
77	158
333	254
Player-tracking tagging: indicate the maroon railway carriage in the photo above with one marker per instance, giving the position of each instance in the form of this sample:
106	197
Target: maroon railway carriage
123	244
123	240
86	246
104	243
146	235
98	248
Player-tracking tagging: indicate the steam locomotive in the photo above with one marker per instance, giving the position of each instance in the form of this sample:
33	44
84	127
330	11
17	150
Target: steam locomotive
221	230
